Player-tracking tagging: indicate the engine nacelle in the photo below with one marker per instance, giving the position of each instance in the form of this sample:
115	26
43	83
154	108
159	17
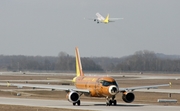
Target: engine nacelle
72	97
113	90
128	97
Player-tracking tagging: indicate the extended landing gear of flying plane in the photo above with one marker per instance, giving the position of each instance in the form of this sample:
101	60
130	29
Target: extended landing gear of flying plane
78	103
96	20
110	102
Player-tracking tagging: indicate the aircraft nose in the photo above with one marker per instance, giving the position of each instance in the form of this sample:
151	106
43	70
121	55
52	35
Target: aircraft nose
113	90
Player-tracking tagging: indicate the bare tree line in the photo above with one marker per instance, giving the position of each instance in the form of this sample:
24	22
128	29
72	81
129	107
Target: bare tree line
148	61
63	62
139	61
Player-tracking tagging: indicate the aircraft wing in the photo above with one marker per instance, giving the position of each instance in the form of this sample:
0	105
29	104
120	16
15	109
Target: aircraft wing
61	80
143	87
114	19
91	18
44	86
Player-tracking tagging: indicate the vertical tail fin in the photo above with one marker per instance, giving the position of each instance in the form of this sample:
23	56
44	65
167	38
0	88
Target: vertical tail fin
106	19
79	71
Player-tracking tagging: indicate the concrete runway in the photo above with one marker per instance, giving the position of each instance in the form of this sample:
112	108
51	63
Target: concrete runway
100	106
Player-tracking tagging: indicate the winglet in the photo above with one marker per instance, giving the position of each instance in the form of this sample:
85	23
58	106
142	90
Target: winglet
79	71
8	84
170	84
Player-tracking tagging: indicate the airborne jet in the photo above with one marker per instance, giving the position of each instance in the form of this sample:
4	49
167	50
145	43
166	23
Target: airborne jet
101	19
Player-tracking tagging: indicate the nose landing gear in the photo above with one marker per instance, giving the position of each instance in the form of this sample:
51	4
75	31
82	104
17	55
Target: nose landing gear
110	102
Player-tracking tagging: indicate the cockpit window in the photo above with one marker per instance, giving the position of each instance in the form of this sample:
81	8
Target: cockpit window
107	83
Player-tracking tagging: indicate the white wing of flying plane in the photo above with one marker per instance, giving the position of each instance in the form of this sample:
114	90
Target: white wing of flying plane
114	19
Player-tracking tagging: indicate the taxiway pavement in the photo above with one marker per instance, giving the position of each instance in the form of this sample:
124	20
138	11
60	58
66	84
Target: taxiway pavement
100	106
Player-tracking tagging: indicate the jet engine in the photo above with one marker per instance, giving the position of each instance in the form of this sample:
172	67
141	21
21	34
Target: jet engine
128	97
72	97
113	90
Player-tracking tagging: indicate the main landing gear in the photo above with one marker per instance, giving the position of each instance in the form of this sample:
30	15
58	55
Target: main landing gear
110	102
78	103
96	20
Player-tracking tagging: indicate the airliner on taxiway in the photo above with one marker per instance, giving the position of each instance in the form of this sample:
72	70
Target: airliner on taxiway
91	86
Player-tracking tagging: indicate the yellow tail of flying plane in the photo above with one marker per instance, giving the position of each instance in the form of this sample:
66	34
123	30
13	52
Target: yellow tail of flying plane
106	19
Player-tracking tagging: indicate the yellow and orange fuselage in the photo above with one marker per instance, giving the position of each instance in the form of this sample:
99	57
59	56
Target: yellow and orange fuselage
98	86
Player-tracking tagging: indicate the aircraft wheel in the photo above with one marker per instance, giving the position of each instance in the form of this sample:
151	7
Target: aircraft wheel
78	102
110	102
107	104
115	102
74	104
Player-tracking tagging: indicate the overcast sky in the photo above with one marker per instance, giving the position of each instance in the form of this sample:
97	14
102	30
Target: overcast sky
47	27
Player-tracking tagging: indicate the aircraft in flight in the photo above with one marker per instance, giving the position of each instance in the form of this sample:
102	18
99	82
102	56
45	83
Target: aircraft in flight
91	86
101	19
